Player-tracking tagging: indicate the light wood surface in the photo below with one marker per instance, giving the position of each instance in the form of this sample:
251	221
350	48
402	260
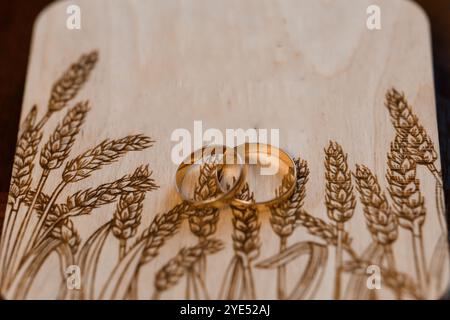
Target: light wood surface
308	68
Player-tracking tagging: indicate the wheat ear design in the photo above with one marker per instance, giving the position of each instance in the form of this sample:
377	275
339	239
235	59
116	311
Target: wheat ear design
83	202
162	227
62	92
417	142
29	121
82	167
283	216
57	148
105	153
54	153
203	222
381	221
339	199
246	245
67	234
26	151
71	81
409	206
127	216
246	227
404	187
183	263
58	224
69	84
23	163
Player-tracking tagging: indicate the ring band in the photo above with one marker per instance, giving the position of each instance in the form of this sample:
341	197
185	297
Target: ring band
260	148
221	198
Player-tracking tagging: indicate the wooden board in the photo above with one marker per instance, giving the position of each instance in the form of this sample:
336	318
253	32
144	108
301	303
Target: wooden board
356	106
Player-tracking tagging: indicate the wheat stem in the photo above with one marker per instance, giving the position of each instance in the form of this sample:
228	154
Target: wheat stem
38	227
133	290
187	292
202	283
183	264
281	272
419	259
122	248
338	264
194	284
7	239
389	256
339	200
248	281
391	265
436	173
24	225
18	243
439	196
4	238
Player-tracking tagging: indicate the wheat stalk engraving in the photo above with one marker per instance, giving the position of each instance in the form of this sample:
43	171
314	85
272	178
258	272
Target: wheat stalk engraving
26	151
339	199
322	229
53	226
83	202
284	216
238	282
127	216
409	207
82	167
62	92
203	222
162	227
58	147
23	166
416	142
54	153
404	187
381	221
184	263
246	225
67	234
103	154
66	88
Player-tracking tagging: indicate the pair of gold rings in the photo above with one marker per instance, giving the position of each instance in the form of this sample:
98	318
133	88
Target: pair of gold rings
242	155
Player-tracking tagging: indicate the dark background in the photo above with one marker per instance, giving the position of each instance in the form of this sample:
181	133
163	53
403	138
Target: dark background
16	20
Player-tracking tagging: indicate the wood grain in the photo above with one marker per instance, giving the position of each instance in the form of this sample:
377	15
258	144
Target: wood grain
310	70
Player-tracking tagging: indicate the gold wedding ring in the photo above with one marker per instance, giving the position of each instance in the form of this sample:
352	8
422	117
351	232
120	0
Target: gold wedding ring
240	155
224	154
246	151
